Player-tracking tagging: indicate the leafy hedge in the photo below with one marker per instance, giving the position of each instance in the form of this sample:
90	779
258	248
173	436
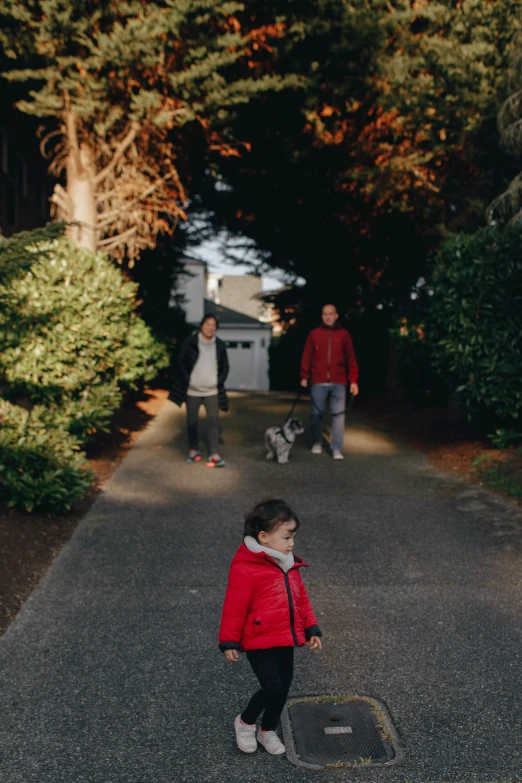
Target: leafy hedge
466	324
70	345
41	465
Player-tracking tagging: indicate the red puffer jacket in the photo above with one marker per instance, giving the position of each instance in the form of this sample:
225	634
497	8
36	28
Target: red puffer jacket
329	357
264	607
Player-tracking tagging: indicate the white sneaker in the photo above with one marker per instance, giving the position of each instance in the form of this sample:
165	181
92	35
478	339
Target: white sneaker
317	448
338	455
245	736
271	742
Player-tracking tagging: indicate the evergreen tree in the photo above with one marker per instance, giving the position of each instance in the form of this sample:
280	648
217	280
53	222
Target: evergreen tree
352	182
507	207
127	87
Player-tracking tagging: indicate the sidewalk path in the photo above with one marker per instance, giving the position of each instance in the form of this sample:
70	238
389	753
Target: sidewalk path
111	673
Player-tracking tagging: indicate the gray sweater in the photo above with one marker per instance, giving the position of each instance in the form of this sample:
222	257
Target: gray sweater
203	378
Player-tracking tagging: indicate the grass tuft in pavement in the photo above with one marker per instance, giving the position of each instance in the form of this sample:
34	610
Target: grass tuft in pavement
504	474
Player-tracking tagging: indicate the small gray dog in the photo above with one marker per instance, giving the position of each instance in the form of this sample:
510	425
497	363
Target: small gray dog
279	440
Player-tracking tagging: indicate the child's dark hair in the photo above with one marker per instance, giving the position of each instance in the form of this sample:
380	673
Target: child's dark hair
267	515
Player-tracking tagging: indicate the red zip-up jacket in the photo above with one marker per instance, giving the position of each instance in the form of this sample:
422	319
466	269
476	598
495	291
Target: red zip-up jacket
329	357
264	607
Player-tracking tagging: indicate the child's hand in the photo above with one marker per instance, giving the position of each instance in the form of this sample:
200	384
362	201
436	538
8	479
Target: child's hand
314	643
232	656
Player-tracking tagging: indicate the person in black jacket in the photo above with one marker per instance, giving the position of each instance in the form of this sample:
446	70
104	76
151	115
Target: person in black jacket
201	372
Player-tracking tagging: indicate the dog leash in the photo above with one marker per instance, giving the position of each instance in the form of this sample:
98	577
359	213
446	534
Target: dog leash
314	404
292	409
339	413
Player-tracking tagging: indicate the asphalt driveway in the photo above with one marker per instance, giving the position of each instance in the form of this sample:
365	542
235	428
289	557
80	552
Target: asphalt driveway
111	671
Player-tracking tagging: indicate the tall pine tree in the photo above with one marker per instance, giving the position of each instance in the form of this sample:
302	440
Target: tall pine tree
393	144
127	87
506	208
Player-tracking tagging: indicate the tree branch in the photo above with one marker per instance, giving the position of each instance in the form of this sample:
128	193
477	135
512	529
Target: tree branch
61	198
62	193
105	196
55	198
425	180
120	151
107	217
108	243
47	138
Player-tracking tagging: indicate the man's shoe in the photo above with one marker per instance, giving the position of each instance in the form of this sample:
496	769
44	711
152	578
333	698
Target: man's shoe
271	742
215	461
338	454
194	456
245	736
317	448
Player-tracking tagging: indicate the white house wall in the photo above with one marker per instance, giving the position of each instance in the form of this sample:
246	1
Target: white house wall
248	366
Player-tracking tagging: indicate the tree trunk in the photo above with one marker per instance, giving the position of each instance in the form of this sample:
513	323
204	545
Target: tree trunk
81	192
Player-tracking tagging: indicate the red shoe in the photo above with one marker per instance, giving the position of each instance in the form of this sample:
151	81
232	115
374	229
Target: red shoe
215	461
194	456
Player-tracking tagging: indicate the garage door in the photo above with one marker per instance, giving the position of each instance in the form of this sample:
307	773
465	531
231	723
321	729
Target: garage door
241	358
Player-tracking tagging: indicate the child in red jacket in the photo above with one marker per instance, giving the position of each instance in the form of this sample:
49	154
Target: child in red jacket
266	614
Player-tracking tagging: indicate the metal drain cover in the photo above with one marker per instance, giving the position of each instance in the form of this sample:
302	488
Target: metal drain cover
338	731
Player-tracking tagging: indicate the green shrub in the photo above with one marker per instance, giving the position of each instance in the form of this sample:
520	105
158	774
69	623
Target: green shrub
419	380
142	356
476	313
41	465
470	315
504	437
69	336
70	345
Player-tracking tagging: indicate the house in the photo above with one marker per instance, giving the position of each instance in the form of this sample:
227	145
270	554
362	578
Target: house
237	292
24	184
247	338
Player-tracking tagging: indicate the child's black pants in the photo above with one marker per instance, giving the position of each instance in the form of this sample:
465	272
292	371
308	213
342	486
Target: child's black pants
274	668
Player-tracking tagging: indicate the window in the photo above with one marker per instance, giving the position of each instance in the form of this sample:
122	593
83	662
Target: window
243	344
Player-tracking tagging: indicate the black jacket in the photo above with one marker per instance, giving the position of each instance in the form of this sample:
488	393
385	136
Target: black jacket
187	358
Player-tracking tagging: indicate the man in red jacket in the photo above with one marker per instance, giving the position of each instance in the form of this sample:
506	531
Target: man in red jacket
328	365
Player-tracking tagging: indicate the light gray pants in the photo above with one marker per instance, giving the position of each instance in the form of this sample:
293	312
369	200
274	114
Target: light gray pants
212	408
